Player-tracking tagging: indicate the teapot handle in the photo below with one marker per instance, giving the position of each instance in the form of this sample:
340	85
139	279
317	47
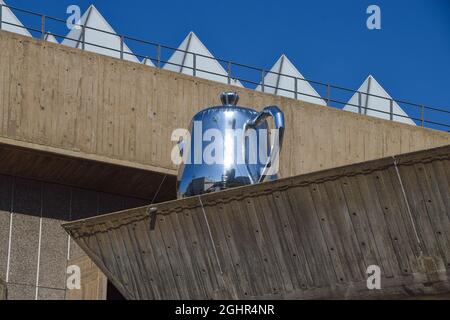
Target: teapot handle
278	119
180	145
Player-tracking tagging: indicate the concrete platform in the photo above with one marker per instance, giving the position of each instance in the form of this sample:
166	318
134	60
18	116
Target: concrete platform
304	237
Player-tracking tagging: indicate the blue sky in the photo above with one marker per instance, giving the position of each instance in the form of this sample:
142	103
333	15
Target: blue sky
327	40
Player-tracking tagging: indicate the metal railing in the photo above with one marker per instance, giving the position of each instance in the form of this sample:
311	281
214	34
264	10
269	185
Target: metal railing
421	114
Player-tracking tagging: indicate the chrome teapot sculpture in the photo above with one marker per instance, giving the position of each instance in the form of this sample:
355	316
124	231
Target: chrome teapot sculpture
229	146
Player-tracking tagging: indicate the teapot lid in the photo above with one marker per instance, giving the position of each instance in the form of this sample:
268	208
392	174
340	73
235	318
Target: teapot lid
229	98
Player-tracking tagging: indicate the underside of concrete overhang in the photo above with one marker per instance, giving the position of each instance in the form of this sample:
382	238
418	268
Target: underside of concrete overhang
28	162
309	236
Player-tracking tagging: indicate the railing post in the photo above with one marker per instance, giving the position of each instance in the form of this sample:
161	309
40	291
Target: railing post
121	47
359	102
262	79
296	88
229	72
391	109
194	65
158	54
43	27
83	36
328	94
422	116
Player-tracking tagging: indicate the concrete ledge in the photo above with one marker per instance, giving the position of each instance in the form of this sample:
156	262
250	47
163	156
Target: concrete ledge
304	237
23	160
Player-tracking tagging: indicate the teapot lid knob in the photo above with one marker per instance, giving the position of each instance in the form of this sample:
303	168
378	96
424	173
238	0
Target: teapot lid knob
229	98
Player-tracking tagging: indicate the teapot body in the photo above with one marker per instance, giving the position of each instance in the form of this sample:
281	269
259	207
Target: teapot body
222	151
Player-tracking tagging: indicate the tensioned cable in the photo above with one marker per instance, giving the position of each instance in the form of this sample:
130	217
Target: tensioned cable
159	188
407	204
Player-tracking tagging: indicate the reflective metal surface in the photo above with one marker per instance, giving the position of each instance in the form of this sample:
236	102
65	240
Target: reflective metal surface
229	146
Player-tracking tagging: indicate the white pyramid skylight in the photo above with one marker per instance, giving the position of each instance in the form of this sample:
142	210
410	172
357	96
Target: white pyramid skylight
183	62
9	17
93	19
50	38
276	83
371	86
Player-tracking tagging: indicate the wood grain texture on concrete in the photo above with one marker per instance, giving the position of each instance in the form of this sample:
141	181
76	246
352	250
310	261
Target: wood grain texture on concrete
62	100
2	290
308	236
93	281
